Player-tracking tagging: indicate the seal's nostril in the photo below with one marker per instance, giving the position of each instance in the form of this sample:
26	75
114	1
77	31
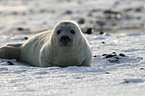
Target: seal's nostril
64	37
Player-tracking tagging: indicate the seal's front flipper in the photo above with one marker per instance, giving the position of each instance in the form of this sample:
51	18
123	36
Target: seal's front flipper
15	45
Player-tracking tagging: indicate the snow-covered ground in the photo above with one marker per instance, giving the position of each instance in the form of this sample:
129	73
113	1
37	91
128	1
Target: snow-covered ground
114	76
126	77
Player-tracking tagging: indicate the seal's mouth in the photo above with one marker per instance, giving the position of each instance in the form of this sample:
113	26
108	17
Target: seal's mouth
65	40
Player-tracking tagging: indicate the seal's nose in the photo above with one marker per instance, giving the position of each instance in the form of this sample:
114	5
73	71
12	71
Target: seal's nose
65	38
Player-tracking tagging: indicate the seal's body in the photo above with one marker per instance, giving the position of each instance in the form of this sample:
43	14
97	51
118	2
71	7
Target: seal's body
64	46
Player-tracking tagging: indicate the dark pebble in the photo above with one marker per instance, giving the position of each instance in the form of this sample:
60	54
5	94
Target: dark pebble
15	13
103	42
101	23
20	29
128	9
10	63
138	9
110	55
138	18
116	57
141	68
124	82
116	60
113	52
25	38
101	32
95	56
107	12
89	31
63	83
81	21
68	12
111	12
43	10
94	10
121	54
107	72
104	54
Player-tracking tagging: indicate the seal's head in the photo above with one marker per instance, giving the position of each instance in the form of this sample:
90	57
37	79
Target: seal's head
66	33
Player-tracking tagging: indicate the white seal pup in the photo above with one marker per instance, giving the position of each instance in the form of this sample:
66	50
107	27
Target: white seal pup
64	46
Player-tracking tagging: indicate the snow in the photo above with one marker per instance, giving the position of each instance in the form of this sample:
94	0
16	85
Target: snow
103	78
124	76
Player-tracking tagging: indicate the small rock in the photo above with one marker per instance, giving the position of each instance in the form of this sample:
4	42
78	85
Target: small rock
94	10
104	54
68	12
25	38
15	13
109	17
95	56
128	9
89	31
101	23
116	57
121	54
23	29
10	63
138	9
103	42
124	82
107	72
113	52
110	56
81	21
132	81
107	12
20	29
101	32
63	83
43	10
138	18
141	68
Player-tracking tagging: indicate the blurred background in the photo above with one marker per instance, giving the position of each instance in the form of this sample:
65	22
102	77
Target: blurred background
32	16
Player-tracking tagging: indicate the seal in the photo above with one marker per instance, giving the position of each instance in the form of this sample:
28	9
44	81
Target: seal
65	45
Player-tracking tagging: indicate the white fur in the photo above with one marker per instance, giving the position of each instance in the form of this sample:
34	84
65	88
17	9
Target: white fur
43	49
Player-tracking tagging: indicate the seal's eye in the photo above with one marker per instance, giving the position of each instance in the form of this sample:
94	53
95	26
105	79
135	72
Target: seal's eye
72	31
58	31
